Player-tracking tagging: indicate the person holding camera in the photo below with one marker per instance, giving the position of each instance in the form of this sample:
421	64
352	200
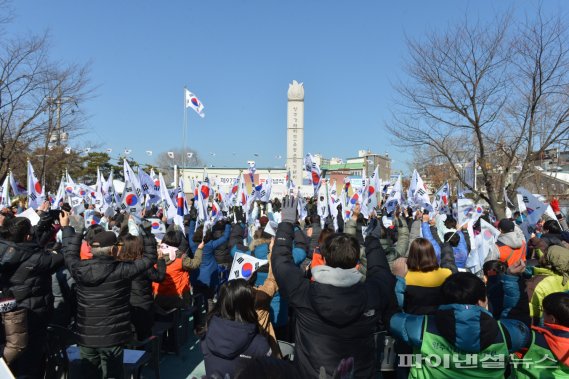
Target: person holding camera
103	294
25	278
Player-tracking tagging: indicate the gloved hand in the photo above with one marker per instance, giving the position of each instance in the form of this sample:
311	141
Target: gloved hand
289	210
373	228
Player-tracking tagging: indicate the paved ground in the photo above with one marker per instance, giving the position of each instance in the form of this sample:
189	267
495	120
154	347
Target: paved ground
188	364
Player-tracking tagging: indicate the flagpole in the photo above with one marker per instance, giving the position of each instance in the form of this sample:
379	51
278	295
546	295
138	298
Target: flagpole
185	128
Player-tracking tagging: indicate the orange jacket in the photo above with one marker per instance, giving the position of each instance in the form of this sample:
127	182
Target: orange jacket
176	282
511	255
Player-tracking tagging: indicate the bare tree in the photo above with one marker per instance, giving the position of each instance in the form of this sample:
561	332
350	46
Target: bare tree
38	101
165	161
495	92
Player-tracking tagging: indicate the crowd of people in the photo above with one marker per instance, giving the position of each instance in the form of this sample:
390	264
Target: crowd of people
388	295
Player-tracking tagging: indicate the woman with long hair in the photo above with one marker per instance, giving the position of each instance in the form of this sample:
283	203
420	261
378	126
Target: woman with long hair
232	332
419	278
141	297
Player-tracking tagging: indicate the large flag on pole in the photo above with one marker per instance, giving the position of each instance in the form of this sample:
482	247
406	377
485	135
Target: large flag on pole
35	189
193	102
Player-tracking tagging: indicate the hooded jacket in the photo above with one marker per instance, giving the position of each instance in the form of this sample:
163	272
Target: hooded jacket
228	344
511	247
558	259
26	270
459	329
337	314
103	292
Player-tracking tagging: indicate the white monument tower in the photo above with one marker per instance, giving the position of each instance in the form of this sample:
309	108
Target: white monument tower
295	132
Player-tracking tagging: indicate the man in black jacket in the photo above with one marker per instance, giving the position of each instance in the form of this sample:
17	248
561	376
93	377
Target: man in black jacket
103	292
338	313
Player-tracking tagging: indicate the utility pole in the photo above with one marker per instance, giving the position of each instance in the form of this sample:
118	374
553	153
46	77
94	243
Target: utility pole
56	136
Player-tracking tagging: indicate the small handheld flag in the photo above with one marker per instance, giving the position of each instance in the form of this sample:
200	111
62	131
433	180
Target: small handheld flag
244	266
157	226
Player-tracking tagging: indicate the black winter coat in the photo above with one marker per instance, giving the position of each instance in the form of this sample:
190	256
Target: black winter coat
238	233
227	345
26	270
103	292
221	253
141	290
334	322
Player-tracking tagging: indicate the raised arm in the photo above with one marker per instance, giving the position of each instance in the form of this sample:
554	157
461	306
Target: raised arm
71	243
128	270
159	273
427	234
289	278
402	244
380	282
224	238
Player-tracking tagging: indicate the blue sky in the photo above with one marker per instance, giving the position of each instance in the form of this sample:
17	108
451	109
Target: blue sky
238	57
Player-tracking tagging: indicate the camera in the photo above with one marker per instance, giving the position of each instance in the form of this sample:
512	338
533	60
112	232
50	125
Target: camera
54	214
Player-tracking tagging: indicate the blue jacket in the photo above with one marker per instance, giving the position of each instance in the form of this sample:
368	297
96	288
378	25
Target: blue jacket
207	274
460	251
426	231
279	305
470	328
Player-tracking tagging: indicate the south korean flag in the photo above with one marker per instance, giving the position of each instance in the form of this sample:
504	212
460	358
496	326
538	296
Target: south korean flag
244	266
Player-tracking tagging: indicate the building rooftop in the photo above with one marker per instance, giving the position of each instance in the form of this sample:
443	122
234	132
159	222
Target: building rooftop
232	168
343	166
562	176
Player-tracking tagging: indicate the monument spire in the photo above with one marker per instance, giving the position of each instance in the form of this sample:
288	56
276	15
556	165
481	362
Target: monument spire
295	132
